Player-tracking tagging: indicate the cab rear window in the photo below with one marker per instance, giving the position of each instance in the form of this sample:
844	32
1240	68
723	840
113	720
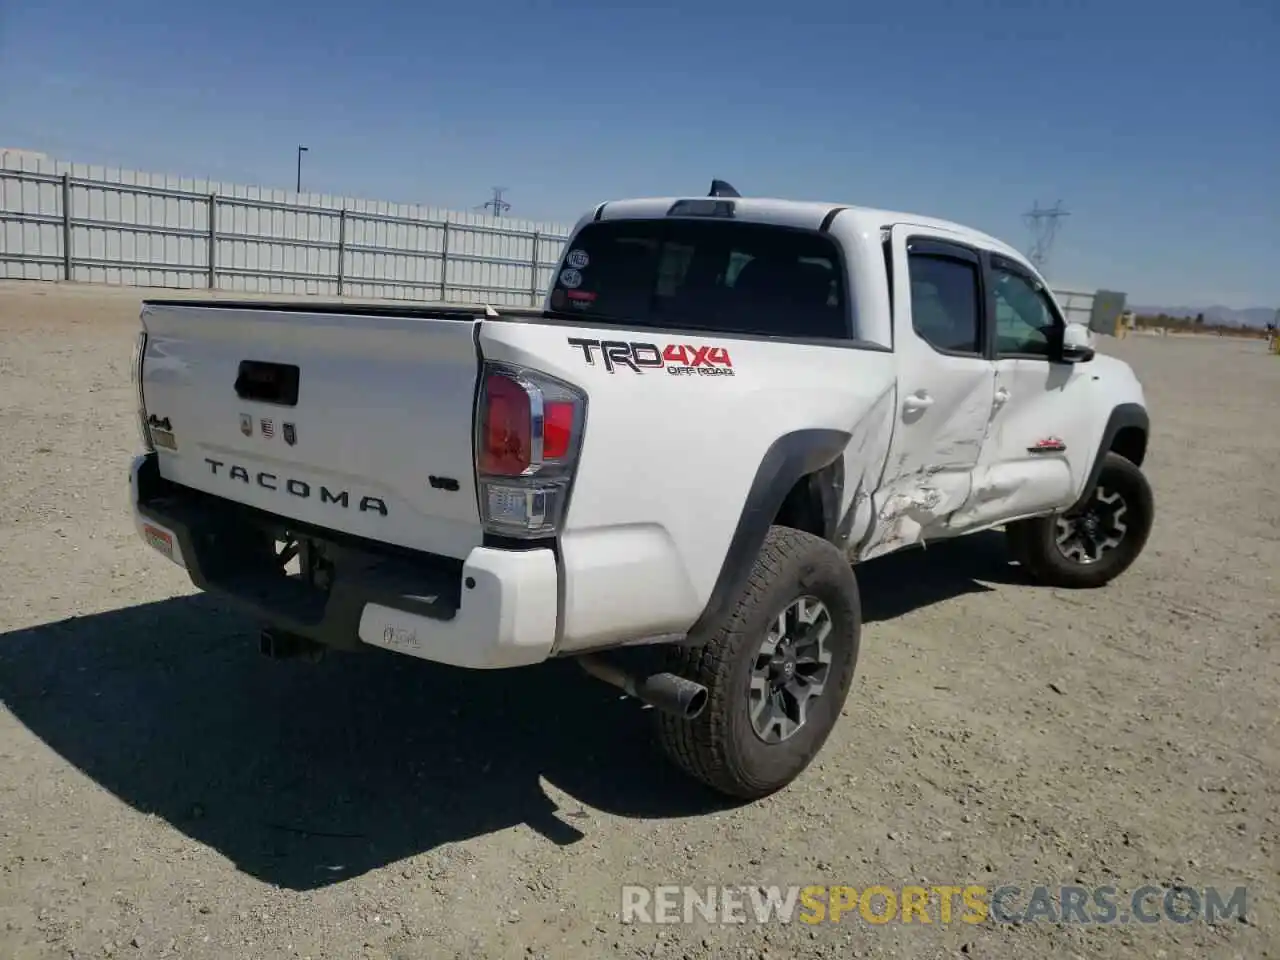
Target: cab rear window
713	275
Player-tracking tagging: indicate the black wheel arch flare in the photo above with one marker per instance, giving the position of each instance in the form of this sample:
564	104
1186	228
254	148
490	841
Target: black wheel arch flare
1131	418
790	458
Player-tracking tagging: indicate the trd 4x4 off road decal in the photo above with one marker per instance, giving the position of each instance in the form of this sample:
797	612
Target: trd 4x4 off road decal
677	359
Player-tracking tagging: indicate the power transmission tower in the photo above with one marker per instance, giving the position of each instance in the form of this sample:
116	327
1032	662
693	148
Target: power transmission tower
497	204
1043	222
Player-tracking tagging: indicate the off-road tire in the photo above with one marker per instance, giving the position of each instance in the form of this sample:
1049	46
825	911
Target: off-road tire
1033	542
720	747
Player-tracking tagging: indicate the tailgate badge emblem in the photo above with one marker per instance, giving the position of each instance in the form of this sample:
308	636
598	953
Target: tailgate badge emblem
268	429
290	433
246	424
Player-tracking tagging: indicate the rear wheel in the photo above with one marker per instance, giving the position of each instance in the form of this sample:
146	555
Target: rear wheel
777	672
1095	542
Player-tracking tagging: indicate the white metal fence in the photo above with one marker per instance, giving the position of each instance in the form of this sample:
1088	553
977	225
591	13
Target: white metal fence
1077	305
60	220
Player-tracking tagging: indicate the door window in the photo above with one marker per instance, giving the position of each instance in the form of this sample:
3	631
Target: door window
1026	324
945	309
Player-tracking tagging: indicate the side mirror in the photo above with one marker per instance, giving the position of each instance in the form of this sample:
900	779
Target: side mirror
1077	344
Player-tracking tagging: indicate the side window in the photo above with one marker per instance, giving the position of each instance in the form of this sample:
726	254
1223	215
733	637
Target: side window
945	310
1025	324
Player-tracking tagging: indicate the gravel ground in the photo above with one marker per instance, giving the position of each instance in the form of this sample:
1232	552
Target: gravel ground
165	791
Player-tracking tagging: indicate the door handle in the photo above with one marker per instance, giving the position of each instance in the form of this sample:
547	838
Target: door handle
1002	395
917	401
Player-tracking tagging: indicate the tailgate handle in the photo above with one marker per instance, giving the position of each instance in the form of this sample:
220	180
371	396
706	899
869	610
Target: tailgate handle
268	382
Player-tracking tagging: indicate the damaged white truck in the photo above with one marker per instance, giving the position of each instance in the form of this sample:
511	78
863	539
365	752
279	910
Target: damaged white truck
668	471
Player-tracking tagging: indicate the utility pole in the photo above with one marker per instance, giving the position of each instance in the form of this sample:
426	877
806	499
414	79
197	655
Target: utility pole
301	151
497	204
1043	222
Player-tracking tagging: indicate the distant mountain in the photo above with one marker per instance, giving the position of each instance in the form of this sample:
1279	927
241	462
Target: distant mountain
1249	317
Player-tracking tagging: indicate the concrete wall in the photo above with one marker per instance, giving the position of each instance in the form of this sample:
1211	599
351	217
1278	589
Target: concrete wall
61	220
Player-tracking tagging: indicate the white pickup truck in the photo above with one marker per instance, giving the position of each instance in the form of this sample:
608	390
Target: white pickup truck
724	404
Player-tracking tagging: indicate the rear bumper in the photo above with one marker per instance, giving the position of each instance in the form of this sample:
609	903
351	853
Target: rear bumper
496	608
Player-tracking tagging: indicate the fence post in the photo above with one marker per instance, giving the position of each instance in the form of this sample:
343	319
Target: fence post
66	228
533	278
213	241
444	265
342	246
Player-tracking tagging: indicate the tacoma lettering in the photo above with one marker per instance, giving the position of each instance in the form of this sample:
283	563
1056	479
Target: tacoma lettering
327	497
298	488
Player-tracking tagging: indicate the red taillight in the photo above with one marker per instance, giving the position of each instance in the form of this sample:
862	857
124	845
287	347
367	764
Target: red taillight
506	427
557	429
528	431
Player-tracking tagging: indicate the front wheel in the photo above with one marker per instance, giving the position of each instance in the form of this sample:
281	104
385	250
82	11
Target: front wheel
1097	541
777	672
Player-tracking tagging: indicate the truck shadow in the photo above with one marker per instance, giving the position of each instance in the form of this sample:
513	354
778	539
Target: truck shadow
898	583
306	775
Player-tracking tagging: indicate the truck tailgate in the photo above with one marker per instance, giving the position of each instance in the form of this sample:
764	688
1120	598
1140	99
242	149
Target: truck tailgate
375	441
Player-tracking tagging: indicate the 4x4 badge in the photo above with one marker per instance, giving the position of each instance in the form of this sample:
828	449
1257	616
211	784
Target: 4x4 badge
290	433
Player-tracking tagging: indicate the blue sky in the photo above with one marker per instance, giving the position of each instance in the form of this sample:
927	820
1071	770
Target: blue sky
1156	123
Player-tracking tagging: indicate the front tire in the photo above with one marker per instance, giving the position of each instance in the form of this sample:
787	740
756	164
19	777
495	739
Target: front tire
1093	544
777	672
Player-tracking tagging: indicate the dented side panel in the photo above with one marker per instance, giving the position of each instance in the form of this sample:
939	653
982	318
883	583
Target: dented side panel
1039	436
940	420
864	465
1043	439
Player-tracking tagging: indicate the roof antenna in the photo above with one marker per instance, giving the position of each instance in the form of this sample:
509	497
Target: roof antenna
722	188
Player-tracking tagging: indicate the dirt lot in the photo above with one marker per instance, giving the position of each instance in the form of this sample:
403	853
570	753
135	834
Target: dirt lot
165	791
